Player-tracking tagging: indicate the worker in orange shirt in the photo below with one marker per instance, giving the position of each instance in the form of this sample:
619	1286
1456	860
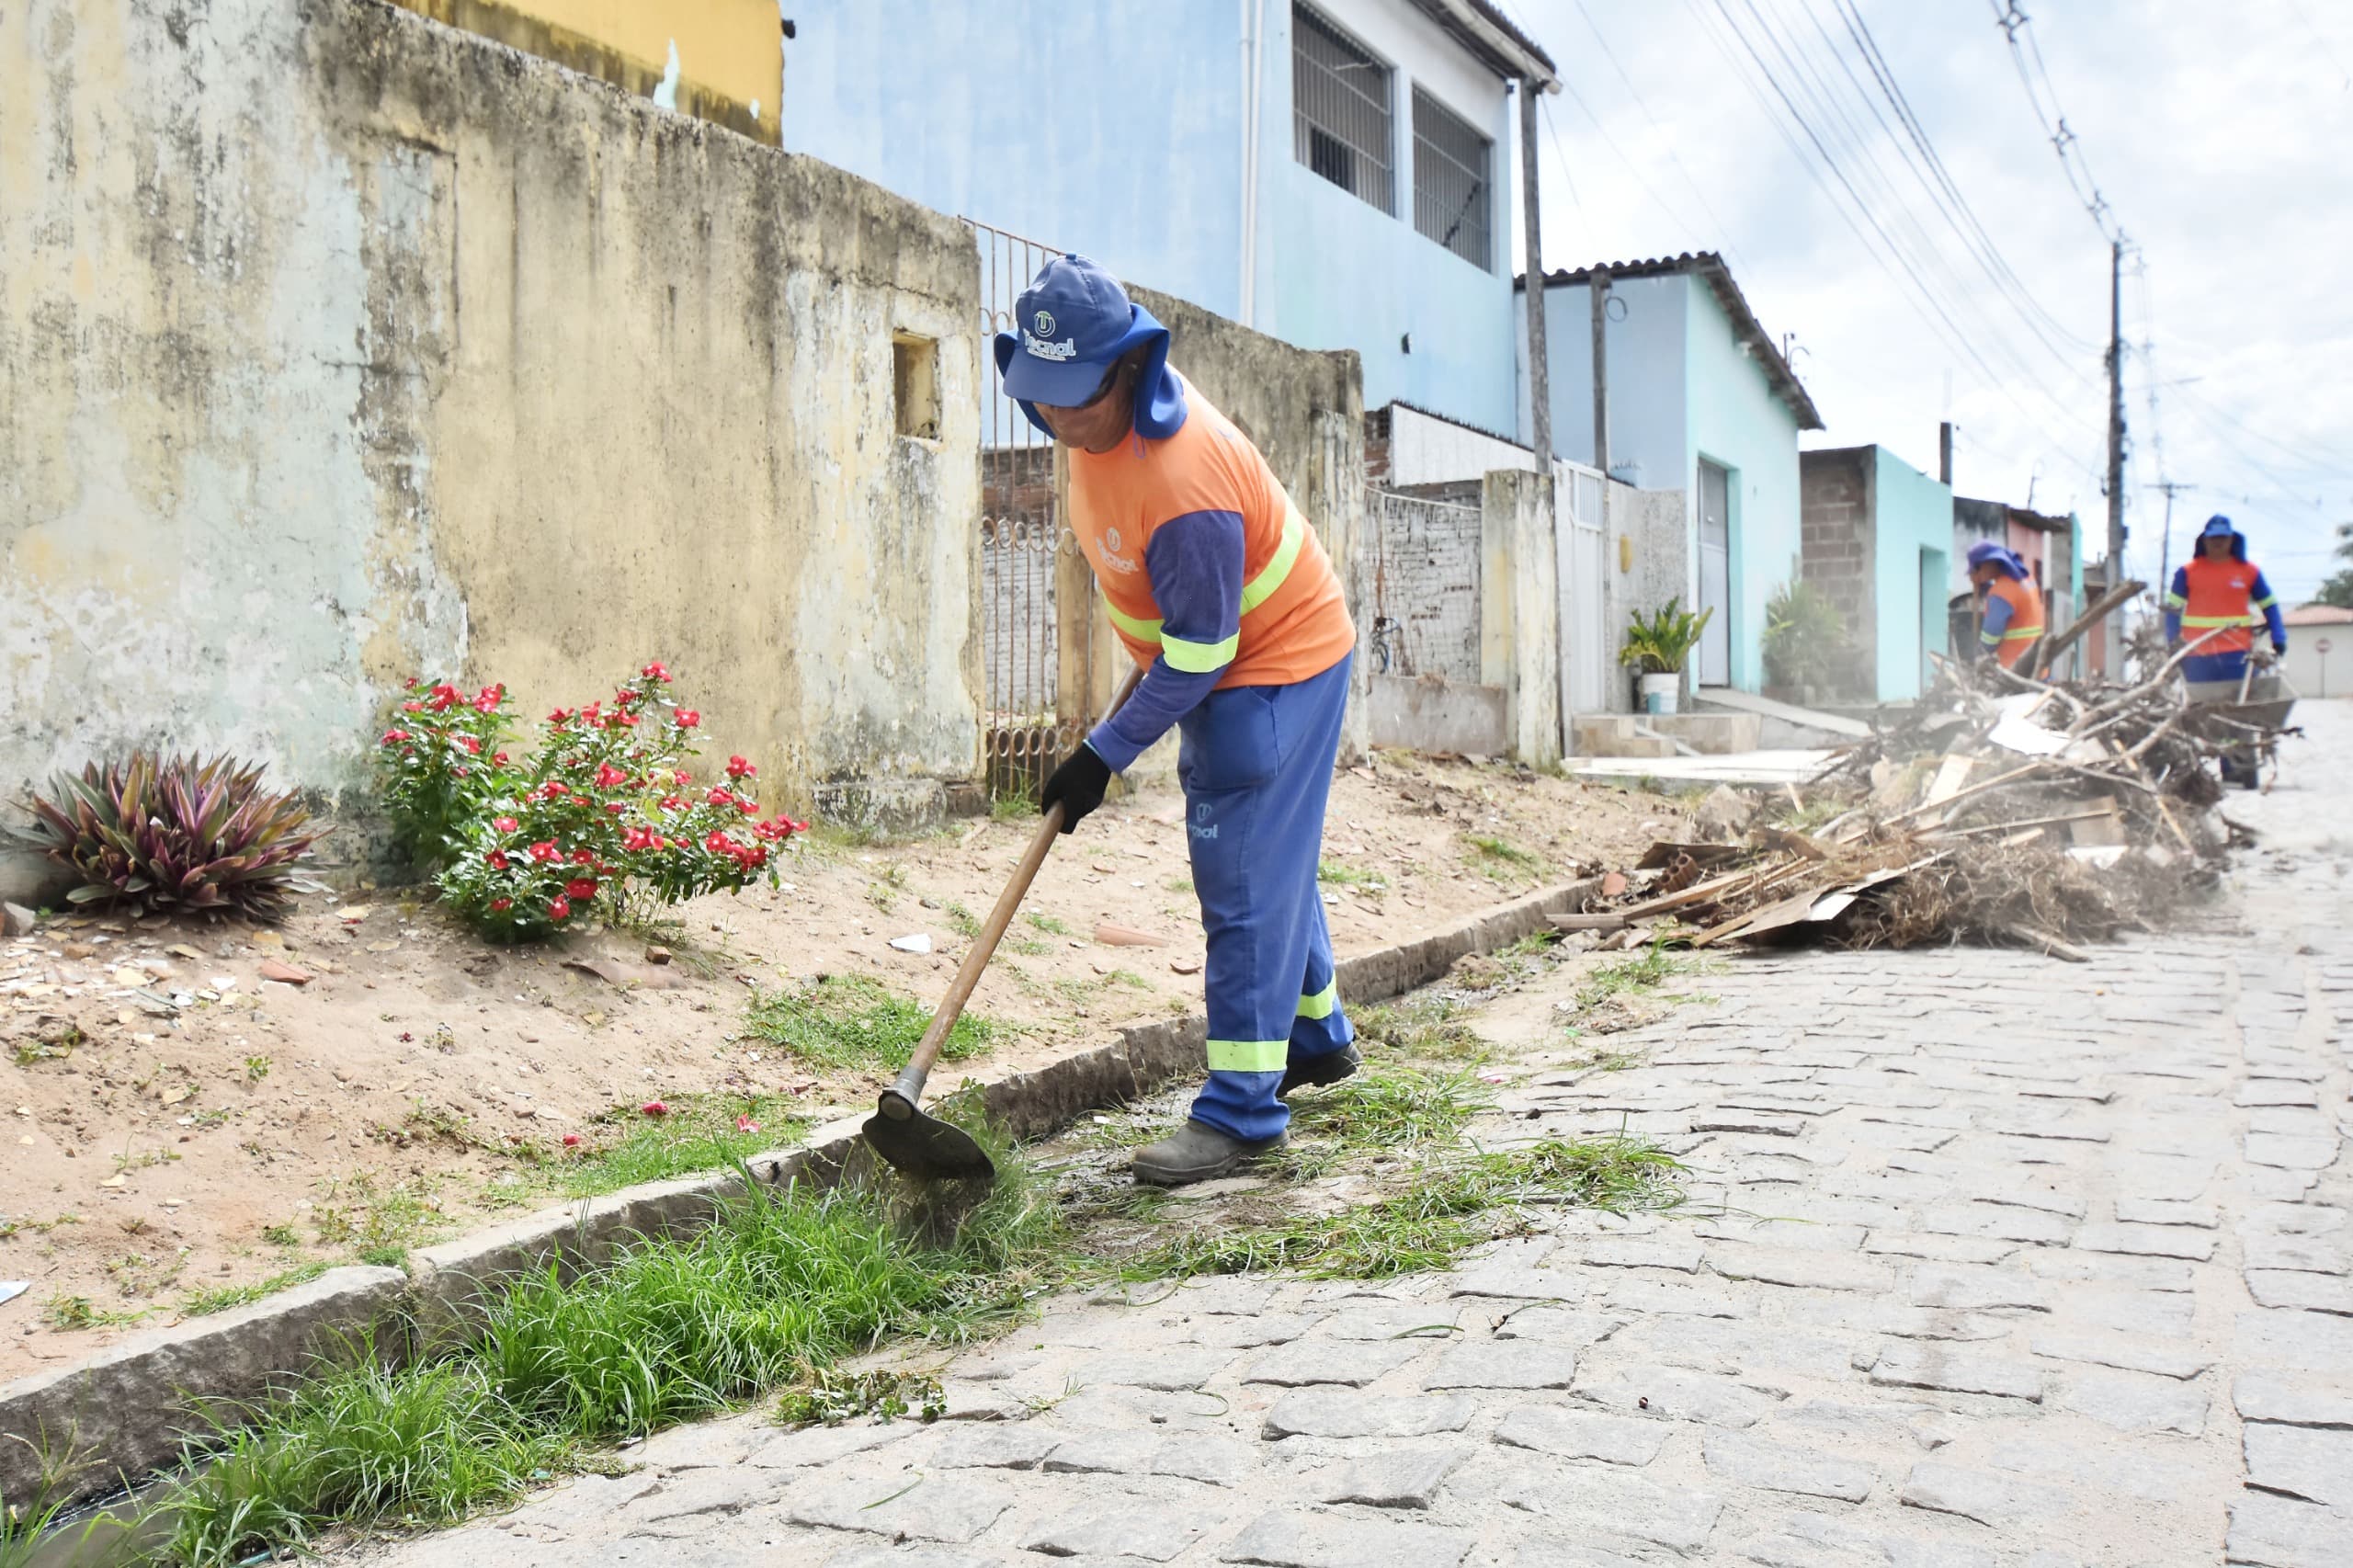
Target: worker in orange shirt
2013	617
1221	591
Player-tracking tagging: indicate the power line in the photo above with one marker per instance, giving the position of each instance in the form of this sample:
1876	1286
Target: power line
2014	22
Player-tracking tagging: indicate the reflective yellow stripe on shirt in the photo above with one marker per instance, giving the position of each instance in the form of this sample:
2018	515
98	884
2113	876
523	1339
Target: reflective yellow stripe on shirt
2207	622
1320	1006
1248	1055
1199	658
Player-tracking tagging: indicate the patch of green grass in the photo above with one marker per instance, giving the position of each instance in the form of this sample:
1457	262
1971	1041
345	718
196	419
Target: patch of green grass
1341	876
702	1132
1128	978
358	1213
1627	976
220	1298
67	1314
966	923
1178	884
1014	805
1423	1025
281	1235
829	1398
778	1291
1501	858
257	1069
848	1021
1048	924
1398	1108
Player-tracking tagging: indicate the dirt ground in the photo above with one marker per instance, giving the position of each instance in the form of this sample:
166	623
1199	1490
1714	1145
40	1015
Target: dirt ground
181	1122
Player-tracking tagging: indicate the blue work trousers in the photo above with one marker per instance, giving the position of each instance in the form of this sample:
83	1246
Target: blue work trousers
1257	762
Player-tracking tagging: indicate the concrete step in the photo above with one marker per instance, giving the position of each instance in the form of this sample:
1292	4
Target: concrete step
1640	734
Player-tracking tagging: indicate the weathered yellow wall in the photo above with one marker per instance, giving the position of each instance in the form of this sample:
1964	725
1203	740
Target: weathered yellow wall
336	346
730	57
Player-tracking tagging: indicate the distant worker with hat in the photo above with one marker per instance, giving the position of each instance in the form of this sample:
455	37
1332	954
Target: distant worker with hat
1218	587
2215	596
2013	615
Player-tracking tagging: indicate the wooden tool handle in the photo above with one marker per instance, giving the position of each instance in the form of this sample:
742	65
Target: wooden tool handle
968	974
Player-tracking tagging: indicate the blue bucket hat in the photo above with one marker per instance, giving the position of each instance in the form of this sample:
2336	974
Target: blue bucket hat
1986	549
2221	527
1072	323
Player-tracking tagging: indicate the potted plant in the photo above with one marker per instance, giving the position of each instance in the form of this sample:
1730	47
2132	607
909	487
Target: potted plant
1658	647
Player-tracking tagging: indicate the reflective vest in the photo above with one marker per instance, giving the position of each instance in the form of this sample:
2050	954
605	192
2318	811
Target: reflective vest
1294	623
2221	595
2026	618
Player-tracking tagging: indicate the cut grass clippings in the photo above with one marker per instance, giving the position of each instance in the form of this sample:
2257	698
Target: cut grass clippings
1424	1025
848	1021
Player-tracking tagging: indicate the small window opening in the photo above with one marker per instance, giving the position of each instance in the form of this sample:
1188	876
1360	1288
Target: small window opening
915	384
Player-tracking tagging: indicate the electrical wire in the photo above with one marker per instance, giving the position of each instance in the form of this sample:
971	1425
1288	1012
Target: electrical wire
2014	22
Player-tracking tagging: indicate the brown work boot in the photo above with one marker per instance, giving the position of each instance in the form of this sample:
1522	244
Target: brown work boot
1198	1152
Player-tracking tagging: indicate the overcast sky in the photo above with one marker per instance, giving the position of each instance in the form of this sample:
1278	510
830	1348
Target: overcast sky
2220	136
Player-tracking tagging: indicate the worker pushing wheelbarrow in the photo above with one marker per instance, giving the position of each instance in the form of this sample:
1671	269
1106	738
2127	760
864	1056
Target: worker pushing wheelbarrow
2237	694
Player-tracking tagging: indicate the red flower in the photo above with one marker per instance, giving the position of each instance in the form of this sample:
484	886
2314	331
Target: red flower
395	737
791	827
552	788
461	772
582	887
623	721
571	1140
738	768
746	1124
617	807
497	858
544	851
749	807
444	696
487	700
689	718
718	843
608	776
654	1107
504	824
721	796
674	802
560	716
499	758
655	671
583	856
502	904
684	776
412	707
558	908
593	711
471	745
637	838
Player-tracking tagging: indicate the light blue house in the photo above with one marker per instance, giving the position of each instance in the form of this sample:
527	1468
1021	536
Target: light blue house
1336	174
1702	399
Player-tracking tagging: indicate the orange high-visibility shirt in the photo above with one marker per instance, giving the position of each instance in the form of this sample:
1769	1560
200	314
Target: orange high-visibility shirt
2025	623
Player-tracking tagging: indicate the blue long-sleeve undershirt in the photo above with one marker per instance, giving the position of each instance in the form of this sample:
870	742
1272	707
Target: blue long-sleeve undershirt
1996	621
1194	563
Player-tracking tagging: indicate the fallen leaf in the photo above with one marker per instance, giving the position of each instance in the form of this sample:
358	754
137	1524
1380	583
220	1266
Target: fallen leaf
1112	936
284	973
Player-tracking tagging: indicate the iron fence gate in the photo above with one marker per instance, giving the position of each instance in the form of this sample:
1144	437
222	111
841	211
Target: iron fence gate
1036	590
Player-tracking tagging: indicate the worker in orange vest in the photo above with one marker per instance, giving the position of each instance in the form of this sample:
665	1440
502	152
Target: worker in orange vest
2013	617
2219	591
1222	592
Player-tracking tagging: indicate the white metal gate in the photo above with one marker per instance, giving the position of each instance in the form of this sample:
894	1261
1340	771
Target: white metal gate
1583	541
1715	573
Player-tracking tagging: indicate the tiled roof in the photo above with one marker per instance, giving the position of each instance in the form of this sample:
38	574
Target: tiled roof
2318	615
1510	55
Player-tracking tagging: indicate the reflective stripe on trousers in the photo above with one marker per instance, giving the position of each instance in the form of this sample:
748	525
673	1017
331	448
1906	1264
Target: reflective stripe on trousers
1256	765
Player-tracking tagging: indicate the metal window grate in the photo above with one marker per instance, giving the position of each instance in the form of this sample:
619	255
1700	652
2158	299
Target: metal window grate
1341	117
1451	180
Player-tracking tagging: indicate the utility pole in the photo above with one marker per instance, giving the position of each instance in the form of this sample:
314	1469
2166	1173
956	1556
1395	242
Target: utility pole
2115	634
1944	453
1539	381
2164	541
1600	290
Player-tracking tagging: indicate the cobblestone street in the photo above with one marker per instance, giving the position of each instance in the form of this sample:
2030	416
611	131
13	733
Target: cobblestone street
1992	1260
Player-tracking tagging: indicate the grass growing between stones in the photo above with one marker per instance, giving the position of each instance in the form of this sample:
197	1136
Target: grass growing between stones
1424	1025
848	1021
1390	1111
772	1296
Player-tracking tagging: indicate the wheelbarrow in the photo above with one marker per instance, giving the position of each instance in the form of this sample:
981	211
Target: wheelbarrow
2245	718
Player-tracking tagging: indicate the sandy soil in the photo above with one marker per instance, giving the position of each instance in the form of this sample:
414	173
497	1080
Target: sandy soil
177	1121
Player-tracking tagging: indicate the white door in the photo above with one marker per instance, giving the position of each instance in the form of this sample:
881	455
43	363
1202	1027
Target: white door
1715	573
1583	570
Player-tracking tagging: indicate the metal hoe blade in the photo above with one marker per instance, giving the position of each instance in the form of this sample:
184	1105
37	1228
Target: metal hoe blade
922	1145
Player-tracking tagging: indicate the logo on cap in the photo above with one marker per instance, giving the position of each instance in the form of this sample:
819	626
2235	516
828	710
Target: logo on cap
1045	323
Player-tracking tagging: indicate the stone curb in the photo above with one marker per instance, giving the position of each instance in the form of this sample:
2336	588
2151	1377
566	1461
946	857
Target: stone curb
116	1409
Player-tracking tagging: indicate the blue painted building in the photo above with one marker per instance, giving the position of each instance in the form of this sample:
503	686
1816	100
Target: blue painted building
1878	537
1337	174
1702	399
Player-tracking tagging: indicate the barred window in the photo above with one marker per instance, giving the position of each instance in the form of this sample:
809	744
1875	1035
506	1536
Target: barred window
1451	164
1341	117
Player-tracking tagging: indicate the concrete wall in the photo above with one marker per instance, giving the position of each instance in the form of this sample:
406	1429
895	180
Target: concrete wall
1070	126
2314	673
1427	585
1914	532
1422	449
1520	612
1840	532
336	345
730	70
1650	558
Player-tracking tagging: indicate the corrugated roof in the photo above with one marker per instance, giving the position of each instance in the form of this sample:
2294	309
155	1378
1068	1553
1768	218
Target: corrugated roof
1711	267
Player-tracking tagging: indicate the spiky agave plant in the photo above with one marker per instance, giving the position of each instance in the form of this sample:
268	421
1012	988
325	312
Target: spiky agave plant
178	835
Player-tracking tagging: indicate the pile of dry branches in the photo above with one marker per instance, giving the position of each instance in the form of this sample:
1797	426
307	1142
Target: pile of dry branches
2001	808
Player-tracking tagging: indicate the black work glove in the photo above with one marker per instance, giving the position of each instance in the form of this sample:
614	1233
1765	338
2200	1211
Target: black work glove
1079	785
